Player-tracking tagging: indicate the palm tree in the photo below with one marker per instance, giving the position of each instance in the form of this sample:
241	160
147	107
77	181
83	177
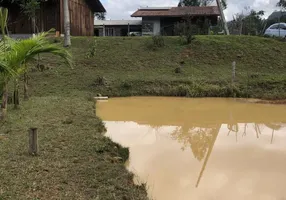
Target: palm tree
15	56
4	68
67	39
24	51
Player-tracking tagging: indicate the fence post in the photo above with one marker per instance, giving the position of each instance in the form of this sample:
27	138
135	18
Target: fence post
233	71
33	141
94	108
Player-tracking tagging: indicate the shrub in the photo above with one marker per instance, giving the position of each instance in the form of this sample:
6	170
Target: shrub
185	30
126	85
91	50
182	91
158	41
100	81
57	40
178	70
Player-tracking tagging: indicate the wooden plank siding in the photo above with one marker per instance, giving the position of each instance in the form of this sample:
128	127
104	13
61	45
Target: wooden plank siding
51	15
81	17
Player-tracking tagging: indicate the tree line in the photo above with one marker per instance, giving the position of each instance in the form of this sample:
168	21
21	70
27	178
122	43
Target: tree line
248	22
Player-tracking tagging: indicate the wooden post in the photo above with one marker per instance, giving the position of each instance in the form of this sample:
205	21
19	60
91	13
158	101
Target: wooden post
33	141
233	71
94	108
104	30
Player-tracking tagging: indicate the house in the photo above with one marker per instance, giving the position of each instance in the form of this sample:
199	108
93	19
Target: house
51	15
117	27
156	21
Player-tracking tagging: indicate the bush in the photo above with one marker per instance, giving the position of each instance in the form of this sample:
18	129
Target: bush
100	81
178	70
158	41
91	50
182	91
126	85
185	30
57	40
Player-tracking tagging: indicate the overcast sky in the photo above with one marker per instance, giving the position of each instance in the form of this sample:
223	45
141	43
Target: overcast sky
122	9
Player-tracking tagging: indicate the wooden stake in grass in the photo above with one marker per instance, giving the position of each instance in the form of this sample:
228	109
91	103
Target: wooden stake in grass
233	78
33	141
233	71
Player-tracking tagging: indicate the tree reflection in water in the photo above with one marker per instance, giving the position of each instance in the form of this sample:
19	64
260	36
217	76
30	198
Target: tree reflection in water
201	140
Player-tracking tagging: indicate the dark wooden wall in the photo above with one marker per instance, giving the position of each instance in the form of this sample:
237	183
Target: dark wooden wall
18	22
82	18
51	15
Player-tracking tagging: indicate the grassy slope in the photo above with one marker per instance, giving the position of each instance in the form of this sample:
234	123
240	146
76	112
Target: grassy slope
76	161
131	67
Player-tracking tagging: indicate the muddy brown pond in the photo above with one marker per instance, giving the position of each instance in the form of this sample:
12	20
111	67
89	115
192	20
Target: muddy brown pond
201	149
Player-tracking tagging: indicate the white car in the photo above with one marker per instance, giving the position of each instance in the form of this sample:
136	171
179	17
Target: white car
278	30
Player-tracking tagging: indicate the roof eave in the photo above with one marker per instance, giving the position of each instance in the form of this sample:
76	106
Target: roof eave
96	6
175	15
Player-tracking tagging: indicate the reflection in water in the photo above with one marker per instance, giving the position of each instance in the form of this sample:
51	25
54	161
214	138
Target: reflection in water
202	140
202	148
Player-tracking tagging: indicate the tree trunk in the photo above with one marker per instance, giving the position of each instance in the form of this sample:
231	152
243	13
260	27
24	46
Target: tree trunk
222	17
26	96
67	39
241	26
34	24
16	94
4	101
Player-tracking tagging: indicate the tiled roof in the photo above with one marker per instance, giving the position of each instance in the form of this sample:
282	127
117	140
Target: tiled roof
177	11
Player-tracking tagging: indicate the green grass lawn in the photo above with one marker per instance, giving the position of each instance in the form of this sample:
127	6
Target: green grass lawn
76	161
131	66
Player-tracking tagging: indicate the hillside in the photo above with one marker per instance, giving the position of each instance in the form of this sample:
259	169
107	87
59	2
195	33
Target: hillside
132	66
76	161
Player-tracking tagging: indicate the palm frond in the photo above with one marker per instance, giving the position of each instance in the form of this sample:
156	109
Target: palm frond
6	70
26	50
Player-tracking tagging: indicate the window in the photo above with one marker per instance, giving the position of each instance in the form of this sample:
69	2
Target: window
283	26
147	28
275	26
109	32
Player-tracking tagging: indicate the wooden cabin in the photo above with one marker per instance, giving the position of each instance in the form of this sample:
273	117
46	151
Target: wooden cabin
51	15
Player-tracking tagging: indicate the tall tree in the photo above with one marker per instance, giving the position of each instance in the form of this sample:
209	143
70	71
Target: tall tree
282	3
100	15
183	3
200	3
221	6
250	23
206	2
67	39
30	8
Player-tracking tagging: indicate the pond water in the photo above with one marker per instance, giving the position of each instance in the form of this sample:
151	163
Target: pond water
201	149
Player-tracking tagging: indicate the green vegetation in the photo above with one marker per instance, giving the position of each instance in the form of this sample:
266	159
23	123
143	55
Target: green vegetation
127	66
17	55
76	161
